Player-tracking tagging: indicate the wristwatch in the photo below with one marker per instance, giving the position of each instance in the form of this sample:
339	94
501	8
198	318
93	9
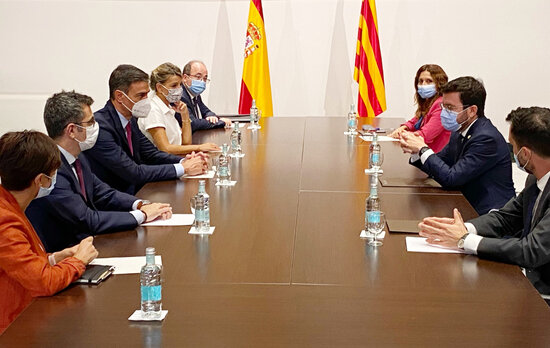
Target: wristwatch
142	203
461	241
422	150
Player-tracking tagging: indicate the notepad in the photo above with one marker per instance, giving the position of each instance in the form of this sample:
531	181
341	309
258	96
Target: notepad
419	245
409	182
403	226
208	175
125	265
175	220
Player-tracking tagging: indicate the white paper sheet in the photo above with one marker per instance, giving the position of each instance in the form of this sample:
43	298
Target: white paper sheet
208	175
175	220
419	245
380	138
230	183
125	265
241	125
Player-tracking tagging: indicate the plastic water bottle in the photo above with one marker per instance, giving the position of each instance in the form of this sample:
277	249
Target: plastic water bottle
254	116
236	138
375	151
202	209
224	171
352	121
151	288
372	203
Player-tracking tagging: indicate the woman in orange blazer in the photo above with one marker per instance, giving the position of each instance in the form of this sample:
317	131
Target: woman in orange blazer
28	166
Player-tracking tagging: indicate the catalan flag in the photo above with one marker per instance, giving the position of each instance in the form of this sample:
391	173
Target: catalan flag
256	83
368	70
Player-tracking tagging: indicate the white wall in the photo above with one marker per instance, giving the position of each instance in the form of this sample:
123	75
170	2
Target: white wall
52	45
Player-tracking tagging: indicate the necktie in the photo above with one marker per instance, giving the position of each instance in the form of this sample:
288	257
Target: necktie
78	168
129	137
195	106
530	211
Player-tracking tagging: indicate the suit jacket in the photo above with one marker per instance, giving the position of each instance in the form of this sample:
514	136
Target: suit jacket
506	241
198	122
114	164
479	166
435	136
24	268
64	217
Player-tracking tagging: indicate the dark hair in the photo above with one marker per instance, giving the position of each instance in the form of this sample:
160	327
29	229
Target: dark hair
531	127
187	67
24	155
471	92
123	76
64	108
440	78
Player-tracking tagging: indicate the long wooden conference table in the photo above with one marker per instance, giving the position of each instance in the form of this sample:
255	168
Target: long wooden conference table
286	267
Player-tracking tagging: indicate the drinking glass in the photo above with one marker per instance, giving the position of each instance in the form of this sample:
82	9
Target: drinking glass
376	221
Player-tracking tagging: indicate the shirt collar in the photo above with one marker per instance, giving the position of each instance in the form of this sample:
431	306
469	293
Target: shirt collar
541	183
123	119
68	156
464	132
163	108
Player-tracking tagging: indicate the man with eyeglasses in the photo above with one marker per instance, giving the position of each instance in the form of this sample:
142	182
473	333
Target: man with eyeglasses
476	160
194	80
80	204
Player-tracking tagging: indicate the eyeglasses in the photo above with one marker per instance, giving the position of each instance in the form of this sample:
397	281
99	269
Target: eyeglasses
452	108
91	122
200	77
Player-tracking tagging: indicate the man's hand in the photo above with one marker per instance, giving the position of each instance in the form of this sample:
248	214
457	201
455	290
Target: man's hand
397	132
85	251
226	120
411	142
443	231
212	119
156	210
195	165
208	147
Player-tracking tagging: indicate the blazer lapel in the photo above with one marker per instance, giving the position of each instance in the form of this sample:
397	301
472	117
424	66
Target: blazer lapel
118	128
542	206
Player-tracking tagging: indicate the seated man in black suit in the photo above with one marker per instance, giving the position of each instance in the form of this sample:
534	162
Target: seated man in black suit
195	78
518	233
123	157
81	205
476	160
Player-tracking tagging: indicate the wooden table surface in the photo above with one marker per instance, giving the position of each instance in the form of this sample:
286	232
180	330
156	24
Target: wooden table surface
286	267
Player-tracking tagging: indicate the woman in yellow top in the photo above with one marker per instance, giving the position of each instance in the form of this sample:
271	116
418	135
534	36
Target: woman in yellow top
161	125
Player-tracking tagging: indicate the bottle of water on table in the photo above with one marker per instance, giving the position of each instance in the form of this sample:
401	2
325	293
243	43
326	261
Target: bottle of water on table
151	288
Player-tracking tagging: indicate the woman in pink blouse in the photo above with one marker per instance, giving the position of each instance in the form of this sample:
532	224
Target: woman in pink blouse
426	121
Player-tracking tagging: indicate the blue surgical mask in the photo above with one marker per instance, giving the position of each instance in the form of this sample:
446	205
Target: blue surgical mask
197	86
426	91
448	120
43	192
517	162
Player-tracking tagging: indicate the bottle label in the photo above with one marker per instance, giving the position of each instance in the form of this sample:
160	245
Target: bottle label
234	143
373	216
223	171
375	157
199	215
352	123
151	293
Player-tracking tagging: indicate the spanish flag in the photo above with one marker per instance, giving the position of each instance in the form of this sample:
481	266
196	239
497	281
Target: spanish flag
256	83
368	70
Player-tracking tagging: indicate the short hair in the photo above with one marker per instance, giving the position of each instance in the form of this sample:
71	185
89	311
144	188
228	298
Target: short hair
531	127
64	108
187	67
440	78
162	73
24	155
123	76
471	92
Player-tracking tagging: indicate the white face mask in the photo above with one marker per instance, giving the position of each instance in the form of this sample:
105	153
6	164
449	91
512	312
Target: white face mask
174	94
91	137
140	108
44	191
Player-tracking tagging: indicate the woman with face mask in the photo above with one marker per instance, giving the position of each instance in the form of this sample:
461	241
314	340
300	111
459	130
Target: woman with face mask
161	125
28	165
426	121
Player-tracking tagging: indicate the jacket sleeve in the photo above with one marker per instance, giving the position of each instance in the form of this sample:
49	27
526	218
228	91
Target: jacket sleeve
31	270
480	155
432	128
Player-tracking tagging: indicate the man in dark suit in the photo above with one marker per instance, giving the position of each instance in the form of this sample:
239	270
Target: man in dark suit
123	157
195	78
518	233
476	160
81	204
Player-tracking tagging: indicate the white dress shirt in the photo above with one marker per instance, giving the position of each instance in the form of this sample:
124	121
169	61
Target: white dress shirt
161	116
